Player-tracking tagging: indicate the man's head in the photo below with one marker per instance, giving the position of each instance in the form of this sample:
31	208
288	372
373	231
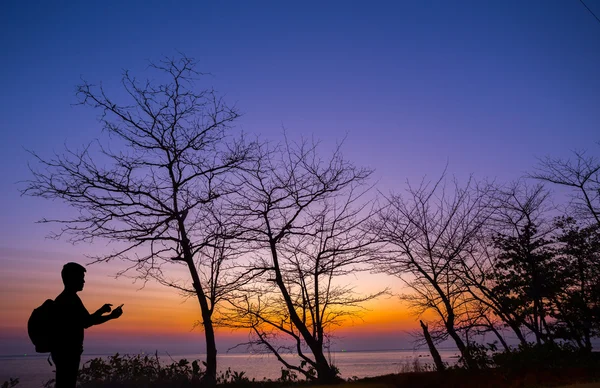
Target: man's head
73	276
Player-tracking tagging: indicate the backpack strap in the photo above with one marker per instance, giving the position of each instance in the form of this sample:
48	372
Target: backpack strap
49	362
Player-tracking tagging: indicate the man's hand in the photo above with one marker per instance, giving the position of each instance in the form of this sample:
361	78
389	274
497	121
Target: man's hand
116	313
105	309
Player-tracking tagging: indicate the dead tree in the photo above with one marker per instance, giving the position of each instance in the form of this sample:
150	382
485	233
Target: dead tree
426	234
152	184
437	359
582	175
302	215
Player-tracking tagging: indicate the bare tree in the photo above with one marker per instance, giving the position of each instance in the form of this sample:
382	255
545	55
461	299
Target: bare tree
437	359
151	185
302	215
427	233
582	174
478	319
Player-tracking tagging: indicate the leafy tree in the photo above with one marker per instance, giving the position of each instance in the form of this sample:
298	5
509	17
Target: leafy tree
525	268
578	302
490	311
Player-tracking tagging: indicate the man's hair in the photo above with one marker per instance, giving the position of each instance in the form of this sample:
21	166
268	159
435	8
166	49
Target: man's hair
70	271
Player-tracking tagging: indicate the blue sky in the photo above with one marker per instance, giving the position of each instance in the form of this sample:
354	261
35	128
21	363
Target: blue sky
486	86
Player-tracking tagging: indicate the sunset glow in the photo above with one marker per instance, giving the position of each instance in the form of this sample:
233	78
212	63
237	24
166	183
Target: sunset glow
411	89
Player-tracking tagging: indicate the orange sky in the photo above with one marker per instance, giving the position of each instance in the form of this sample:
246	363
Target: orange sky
158	314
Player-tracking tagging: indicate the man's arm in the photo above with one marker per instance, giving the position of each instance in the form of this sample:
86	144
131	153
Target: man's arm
98	318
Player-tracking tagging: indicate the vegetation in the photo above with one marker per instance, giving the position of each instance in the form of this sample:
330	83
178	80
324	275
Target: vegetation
10	383
267	231
149	371
526	366
487	258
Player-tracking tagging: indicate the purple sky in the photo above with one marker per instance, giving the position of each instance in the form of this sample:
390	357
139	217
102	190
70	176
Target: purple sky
486	86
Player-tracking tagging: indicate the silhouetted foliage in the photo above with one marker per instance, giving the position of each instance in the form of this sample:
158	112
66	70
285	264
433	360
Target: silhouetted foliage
10	383
577	303
548	355
121	371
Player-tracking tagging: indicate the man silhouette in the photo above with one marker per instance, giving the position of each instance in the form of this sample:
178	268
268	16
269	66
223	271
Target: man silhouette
70	319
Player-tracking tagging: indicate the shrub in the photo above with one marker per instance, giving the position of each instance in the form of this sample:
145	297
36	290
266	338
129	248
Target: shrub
9	383
137	370
546	356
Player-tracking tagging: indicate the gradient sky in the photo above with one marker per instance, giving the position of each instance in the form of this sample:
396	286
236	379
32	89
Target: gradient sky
486	86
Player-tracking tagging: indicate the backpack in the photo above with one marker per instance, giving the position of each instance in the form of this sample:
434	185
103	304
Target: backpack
40	326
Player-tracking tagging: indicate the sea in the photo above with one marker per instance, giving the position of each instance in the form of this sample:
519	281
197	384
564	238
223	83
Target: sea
33	370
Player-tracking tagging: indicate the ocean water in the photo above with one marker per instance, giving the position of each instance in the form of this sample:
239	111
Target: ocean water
32	371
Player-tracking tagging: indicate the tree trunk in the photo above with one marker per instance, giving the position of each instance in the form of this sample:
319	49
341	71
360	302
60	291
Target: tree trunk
536	324
325	373
464	350
210	377
500	338
449	324
517	330
439	365
587	337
